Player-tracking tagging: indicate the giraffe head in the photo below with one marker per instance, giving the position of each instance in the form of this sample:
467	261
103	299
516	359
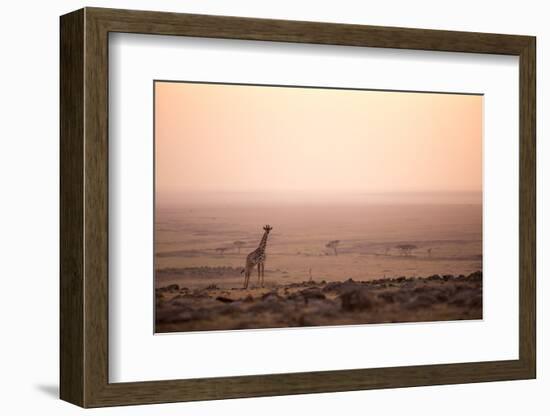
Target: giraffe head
268	228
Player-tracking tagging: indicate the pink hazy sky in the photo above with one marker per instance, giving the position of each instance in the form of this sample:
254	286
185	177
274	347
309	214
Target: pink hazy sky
255	138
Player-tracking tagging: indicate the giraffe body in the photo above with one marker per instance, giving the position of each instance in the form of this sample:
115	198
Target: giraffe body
257	259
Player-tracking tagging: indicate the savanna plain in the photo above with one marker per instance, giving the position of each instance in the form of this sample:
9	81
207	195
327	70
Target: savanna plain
329	260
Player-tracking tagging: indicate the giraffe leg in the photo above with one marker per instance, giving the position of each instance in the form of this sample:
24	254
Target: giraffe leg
259	270
263	270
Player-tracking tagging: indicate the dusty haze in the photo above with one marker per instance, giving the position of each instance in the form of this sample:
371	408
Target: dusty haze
273	139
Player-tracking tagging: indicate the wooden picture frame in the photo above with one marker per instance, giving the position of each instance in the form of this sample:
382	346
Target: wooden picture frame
84	207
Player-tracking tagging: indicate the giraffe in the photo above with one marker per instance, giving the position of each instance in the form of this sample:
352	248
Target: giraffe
257	258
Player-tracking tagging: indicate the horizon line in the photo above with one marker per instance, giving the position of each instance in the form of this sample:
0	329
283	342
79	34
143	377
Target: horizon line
322	87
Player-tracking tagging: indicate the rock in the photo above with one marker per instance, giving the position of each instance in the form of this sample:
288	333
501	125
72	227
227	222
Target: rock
312	293
475	277
387	297
434	277
442	297
307	294
159	300
170	288
357	300
460	288
197	293
401	296
421	301
341	287
271	297
331	286
181	301
225	299
271	304
231	309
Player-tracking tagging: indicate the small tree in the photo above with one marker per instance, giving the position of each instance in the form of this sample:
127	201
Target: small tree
221	250
429	251
239	244
406	249
333	244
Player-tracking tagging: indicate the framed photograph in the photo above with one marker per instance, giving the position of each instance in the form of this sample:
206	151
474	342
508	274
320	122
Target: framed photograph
254	207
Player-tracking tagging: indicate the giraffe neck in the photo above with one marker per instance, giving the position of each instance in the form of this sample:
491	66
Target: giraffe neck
263	243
